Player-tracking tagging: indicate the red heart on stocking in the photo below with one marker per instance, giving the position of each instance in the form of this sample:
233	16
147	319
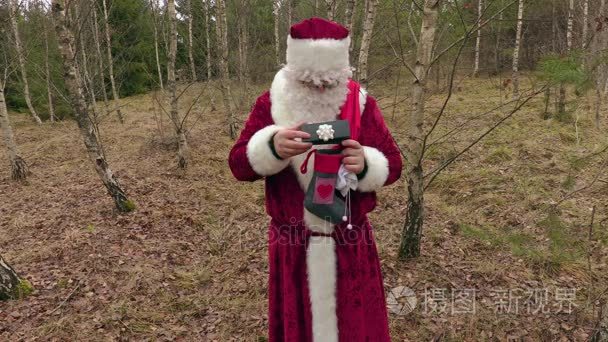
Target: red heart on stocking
325	190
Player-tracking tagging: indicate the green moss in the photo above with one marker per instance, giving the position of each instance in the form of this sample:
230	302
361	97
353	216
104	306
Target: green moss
128	206
23	289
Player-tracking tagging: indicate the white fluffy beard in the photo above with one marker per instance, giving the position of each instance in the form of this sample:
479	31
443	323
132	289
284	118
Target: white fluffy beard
295	102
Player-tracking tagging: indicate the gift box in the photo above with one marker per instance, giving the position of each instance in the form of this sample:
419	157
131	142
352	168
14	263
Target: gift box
329	132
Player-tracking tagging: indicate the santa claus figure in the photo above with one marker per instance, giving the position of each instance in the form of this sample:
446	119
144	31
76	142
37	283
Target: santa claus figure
325	282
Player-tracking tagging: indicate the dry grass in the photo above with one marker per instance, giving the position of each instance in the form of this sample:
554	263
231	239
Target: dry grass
190	263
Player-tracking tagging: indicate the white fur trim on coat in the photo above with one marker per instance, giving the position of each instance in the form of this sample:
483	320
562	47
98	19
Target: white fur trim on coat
321	267
317	224
318	54
259	154
377	170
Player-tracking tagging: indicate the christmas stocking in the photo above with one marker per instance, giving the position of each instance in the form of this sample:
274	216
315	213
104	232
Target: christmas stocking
322	198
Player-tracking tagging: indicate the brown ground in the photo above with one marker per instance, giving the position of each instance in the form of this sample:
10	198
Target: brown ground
190	263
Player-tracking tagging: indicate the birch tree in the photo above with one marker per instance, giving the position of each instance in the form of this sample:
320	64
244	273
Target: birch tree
11	285
111	60
222	41
74	86
182	143
276	6
585	22
18	165
412	229
13	14
47	74
207	37
368	26
102	80
190	42
349	14
561	101
331	9
155	16
515	76
599	43
243	39
478	41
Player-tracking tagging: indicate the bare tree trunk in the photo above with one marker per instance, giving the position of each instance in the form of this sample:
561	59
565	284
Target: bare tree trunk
585	22
561	102
276	6
599	43
158	67
520	17
190	42
350	14
222	40
11	285
77	100
289	4
18	165
13	13
331	9
243	39
47	68
207	38
182	143
498	63
412	229
315	10
102	77
366	39
111	61
478	41
88	83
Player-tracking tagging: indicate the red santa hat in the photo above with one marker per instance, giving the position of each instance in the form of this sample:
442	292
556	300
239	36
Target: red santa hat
318	45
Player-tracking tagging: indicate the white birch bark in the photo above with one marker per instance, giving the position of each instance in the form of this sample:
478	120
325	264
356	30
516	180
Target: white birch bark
276	6
478	40
180	134
88	83
412	229
74	87
585	23
331	9
191	42
243	38
13	14
366	39
599	43
350	14
561	101
111	61
47	71
102	73
9	281
155	12
222	40
207	38
515	76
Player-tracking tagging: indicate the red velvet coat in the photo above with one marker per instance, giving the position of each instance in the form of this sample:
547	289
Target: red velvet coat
350	307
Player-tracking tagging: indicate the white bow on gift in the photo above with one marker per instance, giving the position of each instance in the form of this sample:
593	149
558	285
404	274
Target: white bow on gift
325	132
346	181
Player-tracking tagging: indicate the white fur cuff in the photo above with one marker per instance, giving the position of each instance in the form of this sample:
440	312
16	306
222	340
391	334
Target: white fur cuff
377	170
260	156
